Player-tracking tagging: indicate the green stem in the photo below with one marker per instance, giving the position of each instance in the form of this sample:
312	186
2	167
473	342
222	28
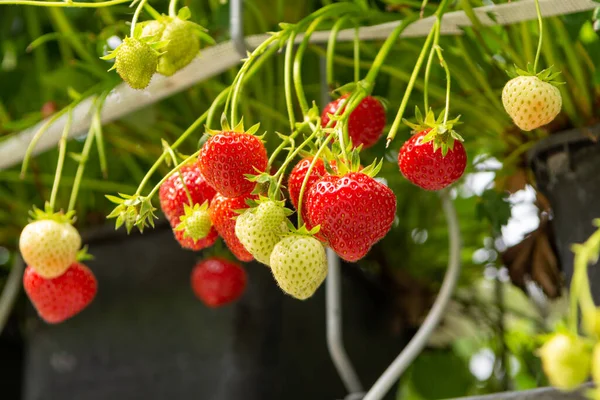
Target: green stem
83	158
97	125
62	152
173	8
287	80
168	175
541	39
422	11
428	66
294	153
298	65
331	43
356	55
136	15
152	11
63	4
290	139
169	150
438	50
307	176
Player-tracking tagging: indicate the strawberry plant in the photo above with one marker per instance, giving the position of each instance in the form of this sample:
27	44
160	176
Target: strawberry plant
307	175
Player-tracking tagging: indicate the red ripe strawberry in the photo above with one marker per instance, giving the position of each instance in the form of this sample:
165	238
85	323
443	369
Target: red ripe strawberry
366	122
217	281
222	215
60	298
297	177
354	211
427	168
227	157
172	192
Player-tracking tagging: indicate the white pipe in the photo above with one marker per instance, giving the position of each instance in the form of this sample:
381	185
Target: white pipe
335	342
217	59
418	342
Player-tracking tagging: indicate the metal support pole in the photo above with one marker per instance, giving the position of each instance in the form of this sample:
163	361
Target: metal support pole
418	342
236	27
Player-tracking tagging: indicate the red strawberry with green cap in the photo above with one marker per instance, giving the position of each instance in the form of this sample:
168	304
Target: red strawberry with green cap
297	177
172	192
189	243
434	157
353	210
223	212
229	156
60	298
217	281
366	122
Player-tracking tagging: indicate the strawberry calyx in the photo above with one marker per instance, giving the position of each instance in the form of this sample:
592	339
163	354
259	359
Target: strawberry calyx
132	211
195	222
146	41
302	230
83	255
48	213
239	128
441	133
548	75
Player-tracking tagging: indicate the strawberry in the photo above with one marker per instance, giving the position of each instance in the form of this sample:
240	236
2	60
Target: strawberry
566	361
135	61
195	223
366	122
255	237
299	265
427	167
222	215
354	212
60	298
227	157
217	281
152	29
49	246
188	242
297	177
172	192
182	45
531	102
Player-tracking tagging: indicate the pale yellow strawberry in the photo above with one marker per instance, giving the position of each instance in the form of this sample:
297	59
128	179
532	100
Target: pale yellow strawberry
531	102
49	246
256	238
566	361
182	46
299	265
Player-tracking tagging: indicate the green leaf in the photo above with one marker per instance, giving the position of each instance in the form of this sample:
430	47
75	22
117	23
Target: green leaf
184	13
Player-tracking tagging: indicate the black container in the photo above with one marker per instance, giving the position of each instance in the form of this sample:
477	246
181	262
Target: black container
567	170
147	337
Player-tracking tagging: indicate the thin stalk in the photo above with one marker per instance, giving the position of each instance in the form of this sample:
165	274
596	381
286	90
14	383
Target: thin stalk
63	4
307	176
169	150
83	158
438	50
436	35
173	8
62	153
97	125
294	153
298	65
331	43
136	15
168	174
282	145
287	80
541	32
356	55
152	11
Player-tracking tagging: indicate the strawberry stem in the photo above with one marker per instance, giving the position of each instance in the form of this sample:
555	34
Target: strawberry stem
356	55
298	65
436	27
136	15
169	150
173	8
413	78
307	176
65	4
541	39
331	43
171	172
62	152
293	153
287	76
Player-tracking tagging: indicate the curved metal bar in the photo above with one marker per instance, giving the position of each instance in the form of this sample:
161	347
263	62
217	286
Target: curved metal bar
418	342
335	343
11	290
236	27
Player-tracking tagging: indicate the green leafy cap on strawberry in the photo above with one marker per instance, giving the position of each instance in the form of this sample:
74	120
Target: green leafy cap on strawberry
132	211
37	214
442	134
239	127
548	75
195	222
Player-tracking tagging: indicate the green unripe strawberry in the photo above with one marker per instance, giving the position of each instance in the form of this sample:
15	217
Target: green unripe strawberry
195	223
566	361
153	29
299	265
135	62
256	238
270	214
182	45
